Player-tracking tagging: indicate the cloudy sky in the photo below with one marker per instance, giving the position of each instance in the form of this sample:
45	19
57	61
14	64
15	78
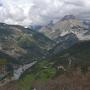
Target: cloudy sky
26	12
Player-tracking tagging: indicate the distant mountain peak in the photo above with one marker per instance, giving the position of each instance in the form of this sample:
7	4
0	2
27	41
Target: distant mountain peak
67	17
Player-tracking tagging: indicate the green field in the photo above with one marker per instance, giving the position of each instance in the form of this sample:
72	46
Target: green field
42	71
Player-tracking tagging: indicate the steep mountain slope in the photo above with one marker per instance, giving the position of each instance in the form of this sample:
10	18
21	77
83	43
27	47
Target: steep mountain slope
23	43
63	43
68	24
69	69
77	55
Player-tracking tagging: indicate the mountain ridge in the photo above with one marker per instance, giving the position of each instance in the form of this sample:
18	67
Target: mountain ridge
70	24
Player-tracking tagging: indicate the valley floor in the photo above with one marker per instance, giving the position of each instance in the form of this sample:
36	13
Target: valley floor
67	81
45	77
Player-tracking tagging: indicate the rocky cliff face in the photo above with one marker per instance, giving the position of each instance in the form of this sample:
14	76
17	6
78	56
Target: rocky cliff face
68	24
64	43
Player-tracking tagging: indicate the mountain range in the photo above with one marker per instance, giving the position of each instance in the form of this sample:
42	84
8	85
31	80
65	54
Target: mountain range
25	43
56	48
68	24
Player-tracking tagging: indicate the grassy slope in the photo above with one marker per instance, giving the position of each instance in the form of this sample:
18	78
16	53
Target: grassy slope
43	74
44	71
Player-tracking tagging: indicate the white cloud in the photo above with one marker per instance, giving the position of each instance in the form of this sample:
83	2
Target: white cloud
26	12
